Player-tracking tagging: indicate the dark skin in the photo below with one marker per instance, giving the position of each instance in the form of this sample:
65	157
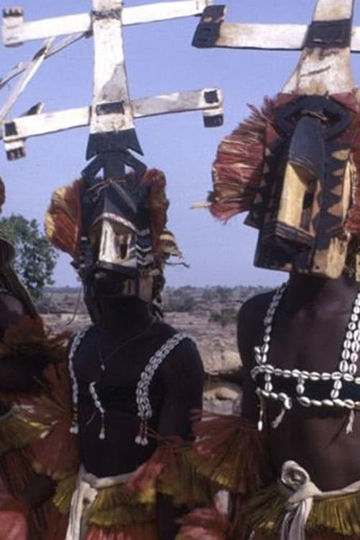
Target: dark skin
175	390
12	379
308	333
11	313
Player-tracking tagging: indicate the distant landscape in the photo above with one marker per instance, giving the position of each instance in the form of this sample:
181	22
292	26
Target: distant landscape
207	314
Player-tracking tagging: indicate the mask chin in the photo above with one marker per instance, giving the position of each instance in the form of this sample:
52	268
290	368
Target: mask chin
103	284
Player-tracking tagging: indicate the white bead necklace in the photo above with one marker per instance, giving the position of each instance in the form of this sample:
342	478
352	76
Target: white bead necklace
346	372
144	410
142	389
74	385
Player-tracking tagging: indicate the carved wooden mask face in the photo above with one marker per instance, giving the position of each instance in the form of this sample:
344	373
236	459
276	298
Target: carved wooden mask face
116	223
116	234
304	197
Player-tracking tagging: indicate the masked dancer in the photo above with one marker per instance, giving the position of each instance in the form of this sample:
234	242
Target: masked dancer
291	458
134	378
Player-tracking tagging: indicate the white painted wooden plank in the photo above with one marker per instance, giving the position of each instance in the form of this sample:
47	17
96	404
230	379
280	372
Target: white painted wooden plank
175	102
163	11
110	82
15	33
16	70
262	36
355	39
30	71
332	10
54	49
270	36
109	55
42	124
106	5
59	26
15	145
319	73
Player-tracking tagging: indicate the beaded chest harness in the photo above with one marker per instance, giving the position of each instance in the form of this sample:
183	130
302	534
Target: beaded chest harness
144	410
346	372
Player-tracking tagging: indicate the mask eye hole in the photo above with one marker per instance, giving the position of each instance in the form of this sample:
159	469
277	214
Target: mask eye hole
124	241
123	251
307	205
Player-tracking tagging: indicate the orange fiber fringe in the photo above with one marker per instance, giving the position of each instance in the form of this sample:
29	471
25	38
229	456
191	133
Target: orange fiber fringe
63	218
170	472
204	524
55	524
28	344
321	536
352	224
13	517
17	472
238	167
157	204
48	413
351	101
231	452
57	453
16	431
338	515
130	532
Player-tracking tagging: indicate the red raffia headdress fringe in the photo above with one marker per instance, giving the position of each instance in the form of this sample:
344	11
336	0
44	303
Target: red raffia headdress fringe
164	243
352	223
238	168
157	204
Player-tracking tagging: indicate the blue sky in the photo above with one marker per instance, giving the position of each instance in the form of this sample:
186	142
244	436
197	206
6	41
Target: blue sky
159	59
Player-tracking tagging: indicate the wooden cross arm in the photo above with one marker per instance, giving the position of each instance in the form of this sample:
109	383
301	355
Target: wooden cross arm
212	31
16	131
16	31
50	51
28	73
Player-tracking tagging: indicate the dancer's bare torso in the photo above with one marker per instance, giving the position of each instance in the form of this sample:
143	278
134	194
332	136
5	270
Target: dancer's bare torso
176	389
308	333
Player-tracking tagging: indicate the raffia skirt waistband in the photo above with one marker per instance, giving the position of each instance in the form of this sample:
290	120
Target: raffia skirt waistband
284	511
104	503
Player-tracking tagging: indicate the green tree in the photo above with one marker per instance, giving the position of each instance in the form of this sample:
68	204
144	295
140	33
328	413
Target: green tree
35	257
179	302
189	303
225	293
209	294
225	317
